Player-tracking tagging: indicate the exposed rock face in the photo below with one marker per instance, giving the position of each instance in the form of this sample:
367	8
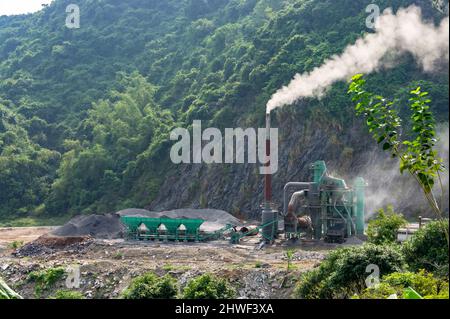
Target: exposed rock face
346	148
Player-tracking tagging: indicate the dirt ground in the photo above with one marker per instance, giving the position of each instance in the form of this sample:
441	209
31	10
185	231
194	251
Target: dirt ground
21	234
106	267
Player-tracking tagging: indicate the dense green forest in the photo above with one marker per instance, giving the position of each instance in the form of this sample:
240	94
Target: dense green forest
86	113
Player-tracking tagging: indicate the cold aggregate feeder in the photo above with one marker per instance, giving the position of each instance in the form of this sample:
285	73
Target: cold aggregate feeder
144	228
175	229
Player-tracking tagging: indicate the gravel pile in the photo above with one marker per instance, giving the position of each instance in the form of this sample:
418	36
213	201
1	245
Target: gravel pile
308	255
98	226
353	241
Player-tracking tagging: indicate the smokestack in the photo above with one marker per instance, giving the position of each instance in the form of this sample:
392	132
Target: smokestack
269	217
268	176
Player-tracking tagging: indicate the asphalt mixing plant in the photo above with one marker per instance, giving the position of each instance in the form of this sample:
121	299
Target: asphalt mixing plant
325	208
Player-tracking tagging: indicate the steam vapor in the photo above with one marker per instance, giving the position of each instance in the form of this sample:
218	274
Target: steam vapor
394	33
387	186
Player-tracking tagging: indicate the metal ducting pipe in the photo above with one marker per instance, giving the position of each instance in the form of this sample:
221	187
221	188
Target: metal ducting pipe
290	219
295	201
299	185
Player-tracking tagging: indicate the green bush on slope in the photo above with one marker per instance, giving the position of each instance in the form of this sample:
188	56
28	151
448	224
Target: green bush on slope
149	286
423	283
208	287
343	272
45	279
428	249
67	294
383	228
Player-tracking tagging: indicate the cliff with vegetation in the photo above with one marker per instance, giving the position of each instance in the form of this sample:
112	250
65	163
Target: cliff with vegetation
86	113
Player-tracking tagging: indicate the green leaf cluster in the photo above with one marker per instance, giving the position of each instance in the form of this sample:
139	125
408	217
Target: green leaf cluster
383	228
343	272
45	279
425	284
416	149
150	286
208	286
67	294
428	249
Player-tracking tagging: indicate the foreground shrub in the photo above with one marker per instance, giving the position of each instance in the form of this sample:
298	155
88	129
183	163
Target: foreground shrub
149	286
428	248
208	287
343	272
67	294
443	293
383	229
45	279
423	283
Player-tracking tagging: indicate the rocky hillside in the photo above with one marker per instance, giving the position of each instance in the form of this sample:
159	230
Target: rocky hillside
346	147
86	113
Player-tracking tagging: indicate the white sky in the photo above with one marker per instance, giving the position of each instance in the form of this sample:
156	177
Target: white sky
11	7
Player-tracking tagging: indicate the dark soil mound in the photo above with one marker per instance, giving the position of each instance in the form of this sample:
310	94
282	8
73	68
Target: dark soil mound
46	245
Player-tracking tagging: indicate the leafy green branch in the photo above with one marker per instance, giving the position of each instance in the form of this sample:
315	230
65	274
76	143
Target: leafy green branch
417	156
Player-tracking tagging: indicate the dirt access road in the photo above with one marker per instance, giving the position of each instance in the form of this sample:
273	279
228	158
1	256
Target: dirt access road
9	235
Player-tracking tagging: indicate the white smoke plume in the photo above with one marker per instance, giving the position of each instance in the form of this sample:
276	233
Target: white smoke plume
394	34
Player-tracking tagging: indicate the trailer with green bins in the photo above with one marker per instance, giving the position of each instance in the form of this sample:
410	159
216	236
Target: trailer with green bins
162	229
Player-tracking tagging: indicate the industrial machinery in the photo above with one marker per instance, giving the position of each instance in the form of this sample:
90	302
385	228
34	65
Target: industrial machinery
164	229
325	208
177	229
